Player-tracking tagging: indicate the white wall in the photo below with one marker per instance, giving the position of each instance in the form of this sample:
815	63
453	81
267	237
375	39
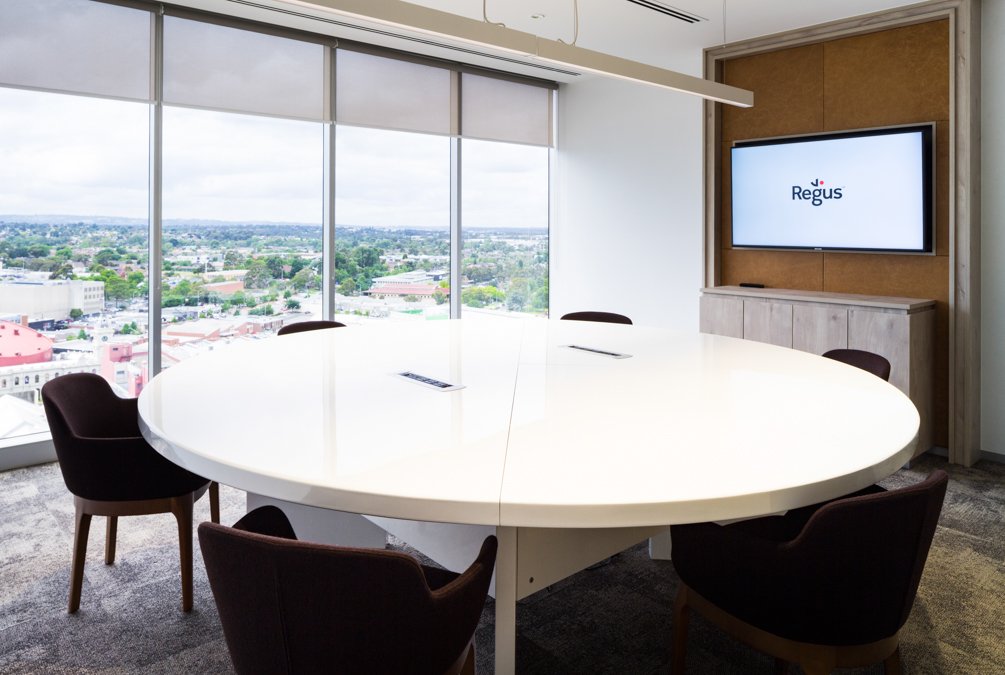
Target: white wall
993	228
627	231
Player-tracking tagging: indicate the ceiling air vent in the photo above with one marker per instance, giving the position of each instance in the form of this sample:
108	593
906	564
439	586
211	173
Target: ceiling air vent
663	8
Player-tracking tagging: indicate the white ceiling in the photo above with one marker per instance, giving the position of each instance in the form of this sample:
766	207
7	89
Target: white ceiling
616	27
624	29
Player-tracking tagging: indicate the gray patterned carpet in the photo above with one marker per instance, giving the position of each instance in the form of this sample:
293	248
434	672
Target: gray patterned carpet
613	619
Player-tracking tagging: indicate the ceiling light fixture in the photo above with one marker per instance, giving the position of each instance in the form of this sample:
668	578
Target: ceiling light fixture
412	17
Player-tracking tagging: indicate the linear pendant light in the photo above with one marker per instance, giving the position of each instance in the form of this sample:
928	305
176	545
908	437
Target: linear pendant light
412	17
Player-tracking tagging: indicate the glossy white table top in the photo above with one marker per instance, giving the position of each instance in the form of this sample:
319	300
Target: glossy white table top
692	427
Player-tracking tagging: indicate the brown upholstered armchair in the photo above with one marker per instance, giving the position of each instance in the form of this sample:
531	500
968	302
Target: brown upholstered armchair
827	586
112	471
873	363
602	317
308	325
289	606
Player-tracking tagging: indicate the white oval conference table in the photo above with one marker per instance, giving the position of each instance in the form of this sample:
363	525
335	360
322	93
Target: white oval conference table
569	440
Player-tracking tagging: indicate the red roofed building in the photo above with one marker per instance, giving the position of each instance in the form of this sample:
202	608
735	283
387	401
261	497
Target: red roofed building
401	290
225	287
20	345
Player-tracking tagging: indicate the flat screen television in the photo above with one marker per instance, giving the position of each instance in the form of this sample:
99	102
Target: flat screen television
864	190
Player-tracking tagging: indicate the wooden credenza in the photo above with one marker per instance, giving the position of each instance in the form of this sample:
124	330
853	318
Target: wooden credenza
901	329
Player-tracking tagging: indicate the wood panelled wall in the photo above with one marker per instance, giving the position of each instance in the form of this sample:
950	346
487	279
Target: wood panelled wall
896	76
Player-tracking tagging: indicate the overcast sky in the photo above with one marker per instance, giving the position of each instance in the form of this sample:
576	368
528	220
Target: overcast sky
73	155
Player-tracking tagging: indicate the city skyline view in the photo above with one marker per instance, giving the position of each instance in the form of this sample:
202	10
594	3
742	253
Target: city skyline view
239	142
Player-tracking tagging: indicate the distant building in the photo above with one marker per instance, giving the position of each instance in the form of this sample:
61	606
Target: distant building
215	329
224	287
43	299
229	275
116	363
402	290
411	278
119	369
20	345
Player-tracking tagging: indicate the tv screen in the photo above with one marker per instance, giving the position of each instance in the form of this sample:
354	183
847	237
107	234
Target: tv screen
868	190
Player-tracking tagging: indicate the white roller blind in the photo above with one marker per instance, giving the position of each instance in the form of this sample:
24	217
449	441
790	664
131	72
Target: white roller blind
391	93
75	46
501	110
225	68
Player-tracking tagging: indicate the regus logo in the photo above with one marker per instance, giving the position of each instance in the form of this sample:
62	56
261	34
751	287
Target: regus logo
817	194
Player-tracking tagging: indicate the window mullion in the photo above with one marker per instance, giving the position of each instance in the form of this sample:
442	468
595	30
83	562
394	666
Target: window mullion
155	199
455	228
328	273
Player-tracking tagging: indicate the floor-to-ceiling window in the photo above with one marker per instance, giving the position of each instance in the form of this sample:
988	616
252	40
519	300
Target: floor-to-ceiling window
505	162
505	241
392	237
243	184
392	187
243	154
74	131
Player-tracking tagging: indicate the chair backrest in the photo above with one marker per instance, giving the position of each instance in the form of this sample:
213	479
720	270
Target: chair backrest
97	439
868	361
83	404
868	551
603	317
308	325
297	607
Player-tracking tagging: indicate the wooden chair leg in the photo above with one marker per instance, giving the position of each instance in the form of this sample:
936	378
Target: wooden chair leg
111	527
818	661
181	507
469	662
81	527
214	502
681	618
891	666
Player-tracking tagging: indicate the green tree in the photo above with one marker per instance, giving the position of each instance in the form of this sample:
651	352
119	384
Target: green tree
367	256
76	313
440	296
117	288
347	287
275	265
38	251
64	271
517	294
539	300
292	304
105	256
232	260
305	279
481	296
258	275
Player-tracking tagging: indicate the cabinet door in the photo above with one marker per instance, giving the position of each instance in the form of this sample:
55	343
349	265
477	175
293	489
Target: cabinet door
819	328
769	322
720	315
886	334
